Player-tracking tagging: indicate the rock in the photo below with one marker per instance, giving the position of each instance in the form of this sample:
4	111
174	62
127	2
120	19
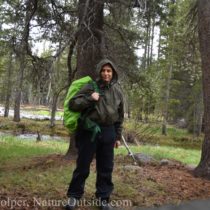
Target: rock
164	162
190	167
143	159
181	123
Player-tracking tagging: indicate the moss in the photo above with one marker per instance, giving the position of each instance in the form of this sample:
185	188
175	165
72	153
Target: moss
32	126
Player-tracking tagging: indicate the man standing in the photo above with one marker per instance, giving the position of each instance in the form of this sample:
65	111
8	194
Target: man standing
105	108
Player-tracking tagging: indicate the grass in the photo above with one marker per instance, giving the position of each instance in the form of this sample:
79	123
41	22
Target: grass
37	181
12	148
49	181
21	175
186	156
50	178
44	112
150	133
43	182
155	129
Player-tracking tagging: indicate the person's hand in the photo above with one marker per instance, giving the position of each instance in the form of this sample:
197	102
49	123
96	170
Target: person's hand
117	144
95	96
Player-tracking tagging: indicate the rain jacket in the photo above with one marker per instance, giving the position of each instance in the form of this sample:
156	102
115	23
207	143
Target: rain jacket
108	110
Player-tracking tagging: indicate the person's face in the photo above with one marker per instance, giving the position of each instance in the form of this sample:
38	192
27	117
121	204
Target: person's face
106	73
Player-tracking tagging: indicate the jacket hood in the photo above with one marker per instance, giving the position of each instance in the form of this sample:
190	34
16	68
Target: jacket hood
101	64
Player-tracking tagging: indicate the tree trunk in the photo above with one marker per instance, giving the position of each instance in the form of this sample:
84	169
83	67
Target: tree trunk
19	90
167	94
90	37
149	42
49	90
8	87
203	169
89	44
53	110
72	150
166	99
152	40
146	48
71	72
159	44
198	115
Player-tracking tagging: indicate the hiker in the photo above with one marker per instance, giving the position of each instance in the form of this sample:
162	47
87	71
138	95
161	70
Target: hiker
106	110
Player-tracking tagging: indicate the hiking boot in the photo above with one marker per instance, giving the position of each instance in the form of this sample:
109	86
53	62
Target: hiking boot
106	206
71	204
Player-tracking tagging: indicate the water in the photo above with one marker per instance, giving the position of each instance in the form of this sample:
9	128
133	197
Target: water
33	137
25	114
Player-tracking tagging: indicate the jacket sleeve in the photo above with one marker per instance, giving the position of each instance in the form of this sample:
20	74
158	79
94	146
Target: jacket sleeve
118	124
82	99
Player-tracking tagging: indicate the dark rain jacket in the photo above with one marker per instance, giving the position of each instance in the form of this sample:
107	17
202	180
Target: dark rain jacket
108	110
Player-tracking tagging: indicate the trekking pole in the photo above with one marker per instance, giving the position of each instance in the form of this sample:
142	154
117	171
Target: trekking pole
130	153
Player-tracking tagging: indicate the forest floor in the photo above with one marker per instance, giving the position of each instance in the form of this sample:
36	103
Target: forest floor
35	183
36	175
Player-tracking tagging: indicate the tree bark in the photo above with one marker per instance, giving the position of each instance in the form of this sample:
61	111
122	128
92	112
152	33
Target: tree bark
167	94
71	72
53	110
8	87
166	99
19	90
152	41
54	105
159	44
72	150
90	43
198	115
145	48
203	168
90	37
149	40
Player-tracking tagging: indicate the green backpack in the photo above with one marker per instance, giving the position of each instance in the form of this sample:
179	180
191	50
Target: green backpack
70	117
